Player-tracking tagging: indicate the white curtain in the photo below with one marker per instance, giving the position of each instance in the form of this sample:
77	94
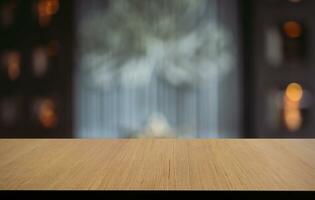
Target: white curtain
118	93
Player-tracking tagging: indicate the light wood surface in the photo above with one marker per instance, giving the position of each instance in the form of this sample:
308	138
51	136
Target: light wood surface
157	164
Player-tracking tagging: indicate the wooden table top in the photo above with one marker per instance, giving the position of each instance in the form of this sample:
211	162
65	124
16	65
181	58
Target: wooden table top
157	164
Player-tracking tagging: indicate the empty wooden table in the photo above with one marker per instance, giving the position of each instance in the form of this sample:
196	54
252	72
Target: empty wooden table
157	164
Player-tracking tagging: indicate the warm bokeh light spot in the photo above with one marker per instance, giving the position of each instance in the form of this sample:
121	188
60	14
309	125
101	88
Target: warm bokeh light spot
293	119
292	112
294	92
45	10
47	113
12	62
292	29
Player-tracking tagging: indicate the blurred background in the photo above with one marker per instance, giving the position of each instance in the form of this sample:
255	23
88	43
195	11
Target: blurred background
157	68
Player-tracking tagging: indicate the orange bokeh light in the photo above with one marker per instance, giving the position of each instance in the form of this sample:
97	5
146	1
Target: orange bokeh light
47	113
292	29
45	10
294	92
12	62
292	112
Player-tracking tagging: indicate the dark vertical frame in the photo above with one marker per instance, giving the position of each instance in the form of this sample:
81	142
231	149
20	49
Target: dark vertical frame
247	69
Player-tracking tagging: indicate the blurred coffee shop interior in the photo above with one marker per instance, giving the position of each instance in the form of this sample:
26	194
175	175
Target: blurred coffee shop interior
157	68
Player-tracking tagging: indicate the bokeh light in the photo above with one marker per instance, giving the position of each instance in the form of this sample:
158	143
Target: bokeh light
12	62
47	113
294	92
45	10
292	111
292	29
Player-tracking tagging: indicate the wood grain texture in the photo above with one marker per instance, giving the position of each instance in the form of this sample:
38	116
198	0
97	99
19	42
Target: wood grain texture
157	164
